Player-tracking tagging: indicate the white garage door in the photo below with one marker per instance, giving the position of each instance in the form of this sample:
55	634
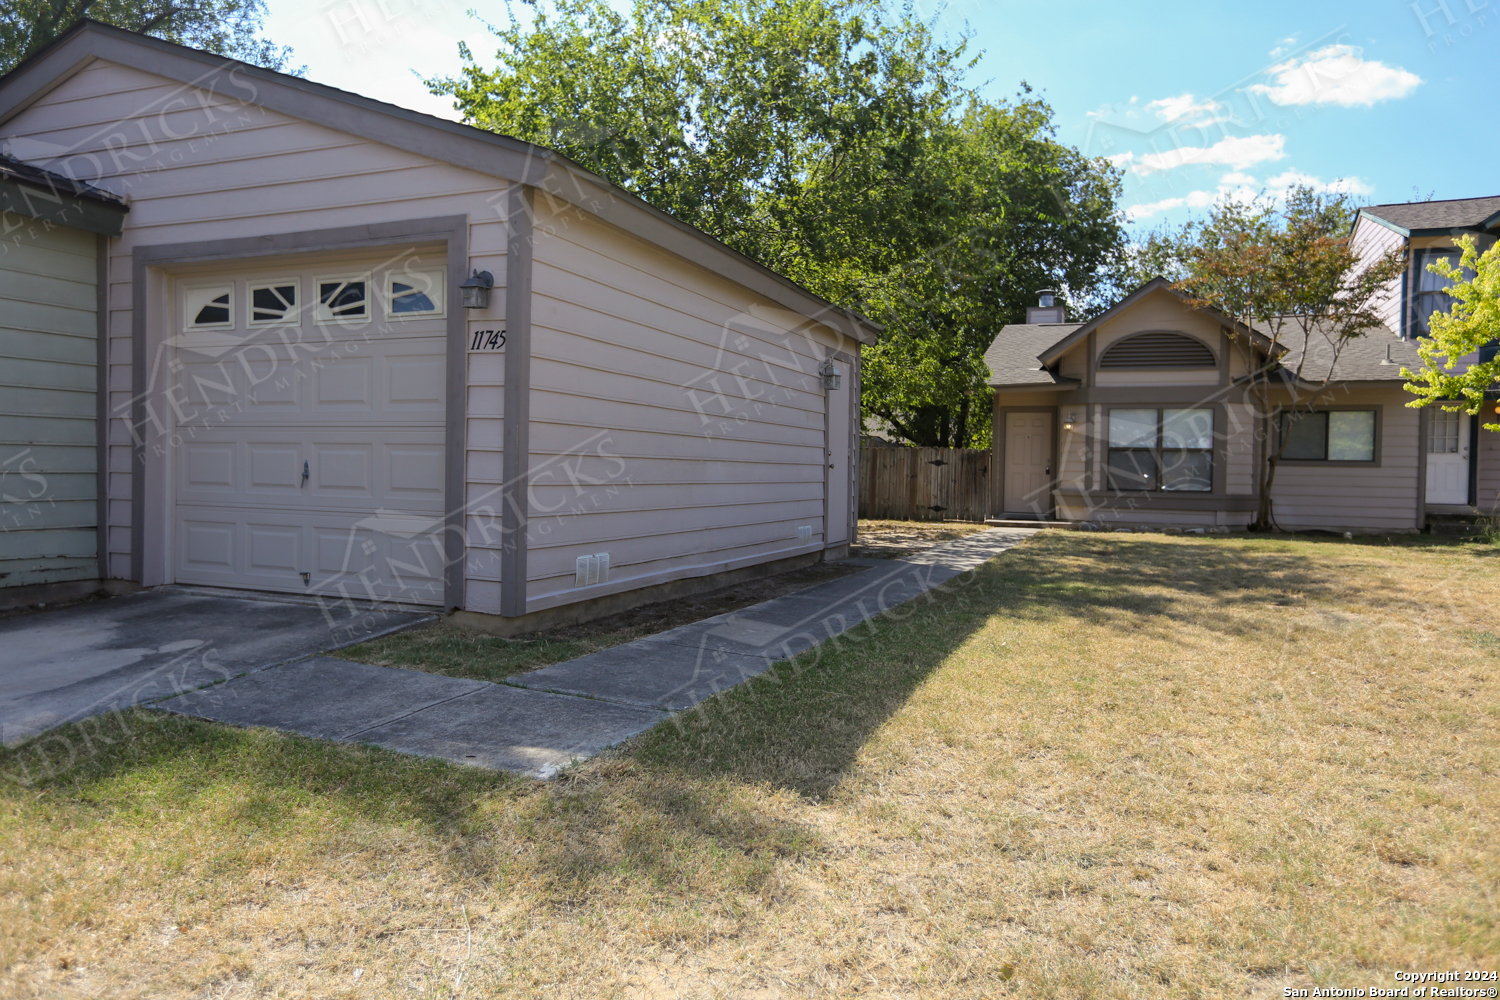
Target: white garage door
308	454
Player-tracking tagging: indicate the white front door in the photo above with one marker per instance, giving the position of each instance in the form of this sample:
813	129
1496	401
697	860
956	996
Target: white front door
1448	458
308	449
1028	464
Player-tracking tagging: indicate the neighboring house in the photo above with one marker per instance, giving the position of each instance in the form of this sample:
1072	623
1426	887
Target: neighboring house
51	366
312	389
1143	416
1463	461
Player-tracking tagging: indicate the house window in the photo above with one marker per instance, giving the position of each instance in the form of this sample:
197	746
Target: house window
1431	293
1329	436
1161	450
342	298
209	306
274	303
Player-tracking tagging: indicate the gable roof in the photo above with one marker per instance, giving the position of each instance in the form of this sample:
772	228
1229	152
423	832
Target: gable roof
501	156
41	194
1157	284
1432	218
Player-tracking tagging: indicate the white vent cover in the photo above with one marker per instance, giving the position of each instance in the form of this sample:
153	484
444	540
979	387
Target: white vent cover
804	534
589	570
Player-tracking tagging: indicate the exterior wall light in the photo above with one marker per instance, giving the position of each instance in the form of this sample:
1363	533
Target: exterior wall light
1069	421
476	290
829	372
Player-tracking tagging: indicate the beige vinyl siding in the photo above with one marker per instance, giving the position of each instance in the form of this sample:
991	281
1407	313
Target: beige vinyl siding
1239	448
1344	497
1488	485
1157	311
48	371
677	421
234	171
1370	241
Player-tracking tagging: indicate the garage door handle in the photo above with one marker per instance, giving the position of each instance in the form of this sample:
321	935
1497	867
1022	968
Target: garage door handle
305	473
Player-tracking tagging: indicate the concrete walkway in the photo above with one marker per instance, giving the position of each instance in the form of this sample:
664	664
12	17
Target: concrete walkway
88	659
539	722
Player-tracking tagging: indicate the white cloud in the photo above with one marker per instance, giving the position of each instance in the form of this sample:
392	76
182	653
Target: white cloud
1235	151
1340	185
1283	46
1335	75
1120	159
1241	187
1186	109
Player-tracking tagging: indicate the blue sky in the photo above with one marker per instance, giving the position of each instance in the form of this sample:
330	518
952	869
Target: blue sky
1194	101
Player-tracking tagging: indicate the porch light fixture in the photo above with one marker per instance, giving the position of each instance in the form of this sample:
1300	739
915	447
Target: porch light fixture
476	290
1069	421
829	372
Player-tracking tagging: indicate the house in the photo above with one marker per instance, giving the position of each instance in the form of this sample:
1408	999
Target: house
1143	414
1463	460
352	351
51	232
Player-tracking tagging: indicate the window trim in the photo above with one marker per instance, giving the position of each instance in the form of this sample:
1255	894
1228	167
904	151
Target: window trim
1325	463
254	284
1215	451
218	283
322	314
440	299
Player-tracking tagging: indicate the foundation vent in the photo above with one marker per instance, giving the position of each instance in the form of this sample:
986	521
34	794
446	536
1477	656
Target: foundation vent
591	570
804	535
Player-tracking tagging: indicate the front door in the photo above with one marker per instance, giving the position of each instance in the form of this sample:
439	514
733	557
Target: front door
1448	458
1028	464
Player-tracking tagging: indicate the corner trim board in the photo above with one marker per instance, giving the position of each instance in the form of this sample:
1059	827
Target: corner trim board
101	404
516	441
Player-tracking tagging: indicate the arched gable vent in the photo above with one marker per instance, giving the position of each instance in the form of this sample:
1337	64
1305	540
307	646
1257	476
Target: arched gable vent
1157	350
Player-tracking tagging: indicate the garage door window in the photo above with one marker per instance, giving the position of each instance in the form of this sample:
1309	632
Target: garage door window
410	294
208	306
342	299
273	303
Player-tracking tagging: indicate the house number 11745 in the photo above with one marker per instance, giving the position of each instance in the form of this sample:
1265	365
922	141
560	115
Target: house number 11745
487	340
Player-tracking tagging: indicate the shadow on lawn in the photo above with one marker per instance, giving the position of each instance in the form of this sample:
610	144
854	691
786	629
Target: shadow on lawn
801	725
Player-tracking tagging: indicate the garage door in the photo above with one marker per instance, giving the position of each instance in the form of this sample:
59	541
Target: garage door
308	453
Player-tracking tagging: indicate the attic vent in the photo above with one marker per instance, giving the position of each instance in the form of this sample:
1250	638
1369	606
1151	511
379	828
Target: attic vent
1157	350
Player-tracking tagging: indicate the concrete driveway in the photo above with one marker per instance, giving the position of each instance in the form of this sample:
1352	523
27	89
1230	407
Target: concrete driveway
62	665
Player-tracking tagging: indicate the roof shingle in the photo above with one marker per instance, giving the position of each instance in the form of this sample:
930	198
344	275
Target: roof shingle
1455	213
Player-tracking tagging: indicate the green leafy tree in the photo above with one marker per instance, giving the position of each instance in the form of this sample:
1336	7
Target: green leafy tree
835	142
1472	324
1289	274
228	27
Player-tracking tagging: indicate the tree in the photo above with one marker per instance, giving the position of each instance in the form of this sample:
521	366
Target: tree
1472	324
1290	275
835	143
228	27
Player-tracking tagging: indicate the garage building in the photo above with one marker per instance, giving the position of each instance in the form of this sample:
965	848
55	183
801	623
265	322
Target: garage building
357	352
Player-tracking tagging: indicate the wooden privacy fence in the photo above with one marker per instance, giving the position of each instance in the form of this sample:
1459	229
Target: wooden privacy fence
924	484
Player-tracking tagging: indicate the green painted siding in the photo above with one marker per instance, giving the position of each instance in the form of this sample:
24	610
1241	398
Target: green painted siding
48	357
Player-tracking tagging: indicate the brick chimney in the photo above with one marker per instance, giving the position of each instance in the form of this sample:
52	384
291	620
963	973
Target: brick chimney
1047	308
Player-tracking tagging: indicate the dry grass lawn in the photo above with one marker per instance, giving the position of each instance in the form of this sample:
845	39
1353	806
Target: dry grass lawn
1106	766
